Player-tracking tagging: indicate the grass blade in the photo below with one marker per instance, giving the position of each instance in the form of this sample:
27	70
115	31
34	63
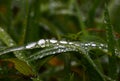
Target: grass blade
4	36
111	45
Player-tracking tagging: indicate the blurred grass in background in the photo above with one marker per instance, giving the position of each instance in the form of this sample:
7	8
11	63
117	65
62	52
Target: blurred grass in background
72	20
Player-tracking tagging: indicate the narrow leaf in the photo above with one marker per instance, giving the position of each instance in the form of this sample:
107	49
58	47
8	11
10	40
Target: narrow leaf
21	66
111	45
5	37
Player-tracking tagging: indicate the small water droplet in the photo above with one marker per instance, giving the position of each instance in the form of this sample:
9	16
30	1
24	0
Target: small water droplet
53	41
63	42
71	43
93	45
86	44
102	45
31	45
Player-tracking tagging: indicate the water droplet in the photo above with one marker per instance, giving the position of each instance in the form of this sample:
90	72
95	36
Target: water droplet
71	43
93	45
31	45
102	45
86	44
53	41
63	42
41	43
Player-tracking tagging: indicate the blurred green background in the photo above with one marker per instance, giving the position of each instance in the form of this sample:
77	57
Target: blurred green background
75	20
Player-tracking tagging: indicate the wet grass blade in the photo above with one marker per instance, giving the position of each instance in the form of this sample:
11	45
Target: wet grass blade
61	47
21	66
4	36
111	45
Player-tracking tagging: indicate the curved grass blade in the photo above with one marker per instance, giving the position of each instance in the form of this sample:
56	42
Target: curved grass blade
60	47
48	52
53	51
42	43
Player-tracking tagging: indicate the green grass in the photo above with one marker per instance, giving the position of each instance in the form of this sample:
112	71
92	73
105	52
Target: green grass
70	40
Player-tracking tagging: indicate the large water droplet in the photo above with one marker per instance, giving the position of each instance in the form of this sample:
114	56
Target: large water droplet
41	43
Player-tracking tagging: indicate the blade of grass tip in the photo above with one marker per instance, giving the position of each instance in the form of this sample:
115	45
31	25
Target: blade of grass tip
4	36
24	11
32	33
81	23
111	45
34	16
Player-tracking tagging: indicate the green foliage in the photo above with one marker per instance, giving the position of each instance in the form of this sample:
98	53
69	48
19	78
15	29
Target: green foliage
111	45
59	40
21	66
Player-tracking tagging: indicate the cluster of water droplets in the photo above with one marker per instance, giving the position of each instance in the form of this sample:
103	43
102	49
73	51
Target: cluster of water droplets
56	47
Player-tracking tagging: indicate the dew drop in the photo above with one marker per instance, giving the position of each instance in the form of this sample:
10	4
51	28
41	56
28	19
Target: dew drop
41	43
53	41
63	42
71	43
31	45
102	45
93	45
86	44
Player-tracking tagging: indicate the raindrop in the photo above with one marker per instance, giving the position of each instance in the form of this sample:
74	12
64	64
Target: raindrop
93	45
53	41
31	45
41	43
71	43
63	42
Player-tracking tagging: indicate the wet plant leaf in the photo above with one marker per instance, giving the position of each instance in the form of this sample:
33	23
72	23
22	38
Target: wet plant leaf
21	66
61	47
4	36
111	44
